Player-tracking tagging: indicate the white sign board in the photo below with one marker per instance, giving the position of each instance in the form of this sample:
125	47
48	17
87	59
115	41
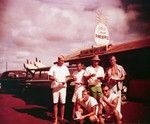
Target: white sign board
101	35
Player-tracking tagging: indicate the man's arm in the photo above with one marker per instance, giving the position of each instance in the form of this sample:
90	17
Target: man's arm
52	78
100	109
123	77
112	105
78	106
89	76
101	78
123	73
93	112
100	113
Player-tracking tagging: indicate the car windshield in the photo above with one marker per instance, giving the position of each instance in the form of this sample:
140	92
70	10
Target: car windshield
14	74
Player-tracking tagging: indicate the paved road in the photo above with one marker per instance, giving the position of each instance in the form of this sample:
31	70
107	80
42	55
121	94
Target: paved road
15	110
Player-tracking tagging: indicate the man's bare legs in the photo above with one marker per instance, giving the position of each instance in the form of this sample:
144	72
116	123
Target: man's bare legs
62	110
101	119
56	113
74	109
116	115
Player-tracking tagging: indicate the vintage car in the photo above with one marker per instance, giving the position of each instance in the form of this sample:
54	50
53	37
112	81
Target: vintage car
38	78
13	80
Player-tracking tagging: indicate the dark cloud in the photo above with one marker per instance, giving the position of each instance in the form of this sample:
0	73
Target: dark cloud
141	24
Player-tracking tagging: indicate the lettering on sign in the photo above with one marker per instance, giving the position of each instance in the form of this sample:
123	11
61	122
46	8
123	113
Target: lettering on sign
93	51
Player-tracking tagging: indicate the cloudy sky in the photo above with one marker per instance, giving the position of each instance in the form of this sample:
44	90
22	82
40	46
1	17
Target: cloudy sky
48	28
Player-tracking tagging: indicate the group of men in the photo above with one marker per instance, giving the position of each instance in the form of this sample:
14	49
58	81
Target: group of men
93	100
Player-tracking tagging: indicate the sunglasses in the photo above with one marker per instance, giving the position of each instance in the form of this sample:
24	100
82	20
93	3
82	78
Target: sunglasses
105	90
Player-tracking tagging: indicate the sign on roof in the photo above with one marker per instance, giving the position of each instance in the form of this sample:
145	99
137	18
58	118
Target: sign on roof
101	35
93	51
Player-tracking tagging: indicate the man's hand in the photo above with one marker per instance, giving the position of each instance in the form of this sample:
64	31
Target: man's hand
101	78
74	78
93	75
113	81
82	117
104	98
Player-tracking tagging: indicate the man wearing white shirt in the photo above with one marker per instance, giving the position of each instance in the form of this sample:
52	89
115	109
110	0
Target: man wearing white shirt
87	108
94	75
58	74
109	103
78	82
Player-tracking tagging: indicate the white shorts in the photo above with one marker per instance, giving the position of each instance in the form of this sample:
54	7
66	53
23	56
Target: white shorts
59	93
77	93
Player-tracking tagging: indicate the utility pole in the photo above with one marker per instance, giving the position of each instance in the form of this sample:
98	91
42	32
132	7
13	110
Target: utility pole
1	63
6	65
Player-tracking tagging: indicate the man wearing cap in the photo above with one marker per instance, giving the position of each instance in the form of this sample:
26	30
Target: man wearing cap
58	74
94	75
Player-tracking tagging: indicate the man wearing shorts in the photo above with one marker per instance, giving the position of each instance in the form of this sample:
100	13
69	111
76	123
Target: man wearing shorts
109	103
94	75
78	82
58	74
87	108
